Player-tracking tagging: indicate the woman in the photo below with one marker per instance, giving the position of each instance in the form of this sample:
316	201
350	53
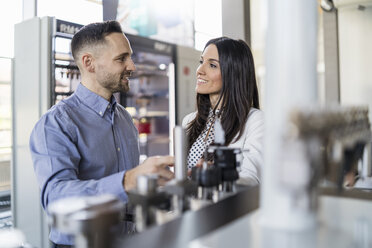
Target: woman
226	89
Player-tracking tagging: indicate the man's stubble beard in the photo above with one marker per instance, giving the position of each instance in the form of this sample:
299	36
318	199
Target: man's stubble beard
114	83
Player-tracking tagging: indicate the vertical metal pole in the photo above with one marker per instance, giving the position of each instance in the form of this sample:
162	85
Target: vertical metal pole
331	58
291	49
110	8
180	147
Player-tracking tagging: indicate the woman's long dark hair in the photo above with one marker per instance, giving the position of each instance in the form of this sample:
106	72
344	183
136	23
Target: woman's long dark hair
239	91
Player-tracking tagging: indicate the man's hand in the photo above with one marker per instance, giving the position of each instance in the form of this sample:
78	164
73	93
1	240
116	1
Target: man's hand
153	165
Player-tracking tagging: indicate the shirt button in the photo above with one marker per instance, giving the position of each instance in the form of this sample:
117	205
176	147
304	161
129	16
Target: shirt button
118	149
100	112
108	106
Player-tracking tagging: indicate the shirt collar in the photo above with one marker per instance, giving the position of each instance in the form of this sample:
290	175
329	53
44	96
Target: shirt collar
95	102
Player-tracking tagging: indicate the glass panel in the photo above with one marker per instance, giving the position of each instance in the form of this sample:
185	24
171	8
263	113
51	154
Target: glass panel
71	10
208	17
67	75
166	20
148	102
5	122
201	39
10	13
5	141
208	24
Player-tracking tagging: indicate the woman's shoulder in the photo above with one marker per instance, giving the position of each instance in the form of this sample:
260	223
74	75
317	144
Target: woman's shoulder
188	118
253	126
255	115
255	121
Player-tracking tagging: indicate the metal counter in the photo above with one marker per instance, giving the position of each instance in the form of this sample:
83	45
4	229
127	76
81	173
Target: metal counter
343	222
194	224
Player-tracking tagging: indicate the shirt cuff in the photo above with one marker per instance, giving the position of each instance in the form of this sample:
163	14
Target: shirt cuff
113	184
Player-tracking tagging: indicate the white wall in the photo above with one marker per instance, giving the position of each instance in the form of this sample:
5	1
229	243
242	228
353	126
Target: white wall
355	44
187	63
233	19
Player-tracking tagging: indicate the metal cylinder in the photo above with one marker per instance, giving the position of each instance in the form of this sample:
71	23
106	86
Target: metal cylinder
88	218
180	153
147	184
291	50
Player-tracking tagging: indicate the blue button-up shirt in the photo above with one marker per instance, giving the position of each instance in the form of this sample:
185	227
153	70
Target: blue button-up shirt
83	146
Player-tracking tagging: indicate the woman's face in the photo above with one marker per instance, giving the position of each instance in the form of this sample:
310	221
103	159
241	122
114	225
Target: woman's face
209	80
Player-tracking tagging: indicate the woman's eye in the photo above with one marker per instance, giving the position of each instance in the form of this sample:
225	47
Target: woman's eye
213	66
200	61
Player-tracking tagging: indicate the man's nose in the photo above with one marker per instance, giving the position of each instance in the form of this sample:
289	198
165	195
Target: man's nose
131	66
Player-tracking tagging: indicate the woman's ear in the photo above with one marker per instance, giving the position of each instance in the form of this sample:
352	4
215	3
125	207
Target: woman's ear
88	62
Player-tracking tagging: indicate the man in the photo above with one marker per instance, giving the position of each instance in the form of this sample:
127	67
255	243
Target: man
87	144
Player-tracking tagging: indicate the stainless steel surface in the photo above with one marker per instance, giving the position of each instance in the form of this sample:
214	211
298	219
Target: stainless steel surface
342	223
193	224
180	153
361	194
90	219
146	200
147	184
208	194
228	186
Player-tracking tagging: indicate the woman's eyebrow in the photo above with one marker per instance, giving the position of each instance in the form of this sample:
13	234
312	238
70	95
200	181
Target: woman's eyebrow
216	60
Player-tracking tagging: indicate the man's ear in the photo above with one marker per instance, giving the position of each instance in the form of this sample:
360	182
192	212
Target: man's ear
87	61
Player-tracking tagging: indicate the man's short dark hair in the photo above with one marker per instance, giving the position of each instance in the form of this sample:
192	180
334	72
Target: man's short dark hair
93	34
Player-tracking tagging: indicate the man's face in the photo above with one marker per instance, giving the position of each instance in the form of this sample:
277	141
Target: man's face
114	63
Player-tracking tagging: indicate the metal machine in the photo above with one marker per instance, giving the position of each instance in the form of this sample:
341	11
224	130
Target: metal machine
324	149
90	219
323	146
209	184
153	205
218	180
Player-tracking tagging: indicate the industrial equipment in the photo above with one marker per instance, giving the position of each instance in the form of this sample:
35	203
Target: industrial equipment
323	147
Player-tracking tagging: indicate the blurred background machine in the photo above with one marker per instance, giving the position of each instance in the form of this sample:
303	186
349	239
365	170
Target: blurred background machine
181	202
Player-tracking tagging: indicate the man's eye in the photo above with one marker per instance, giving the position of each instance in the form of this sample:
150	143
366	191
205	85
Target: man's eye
122	59
200	61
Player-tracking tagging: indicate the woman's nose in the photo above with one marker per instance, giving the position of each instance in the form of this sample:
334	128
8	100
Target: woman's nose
200	69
